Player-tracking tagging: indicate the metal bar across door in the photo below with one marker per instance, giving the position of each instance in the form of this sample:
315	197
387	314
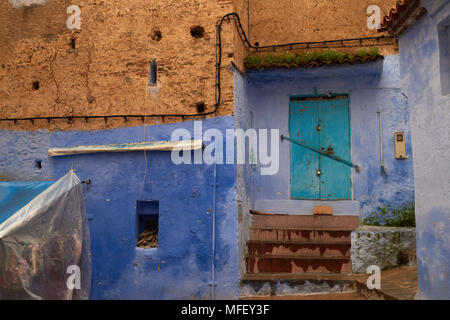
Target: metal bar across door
349	163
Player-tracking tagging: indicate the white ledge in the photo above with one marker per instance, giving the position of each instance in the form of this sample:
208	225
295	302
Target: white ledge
127	147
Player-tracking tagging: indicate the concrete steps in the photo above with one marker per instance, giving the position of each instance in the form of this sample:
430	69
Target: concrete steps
284	285
298	254
299	244
300	234
297	264
305	221
298	248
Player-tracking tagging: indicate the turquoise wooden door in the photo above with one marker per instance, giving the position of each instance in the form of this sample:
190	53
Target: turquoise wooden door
324	125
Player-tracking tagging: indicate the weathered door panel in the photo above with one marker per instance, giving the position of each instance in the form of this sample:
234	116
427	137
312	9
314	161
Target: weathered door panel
334	137
324	125
303	117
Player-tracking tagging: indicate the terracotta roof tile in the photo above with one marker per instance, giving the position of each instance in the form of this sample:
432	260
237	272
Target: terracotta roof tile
312	64
401	16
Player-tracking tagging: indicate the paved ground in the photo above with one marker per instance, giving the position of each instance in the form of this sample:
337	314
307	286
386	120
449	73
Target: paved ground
398	283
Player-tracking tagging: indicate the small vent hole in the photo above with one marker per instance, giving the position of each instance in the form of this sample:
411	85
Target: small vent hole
200	107
197	31
156	34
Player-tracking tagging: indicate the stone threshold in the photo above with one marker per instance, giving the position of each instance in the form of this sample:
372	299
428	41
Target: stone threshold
306	207
396	284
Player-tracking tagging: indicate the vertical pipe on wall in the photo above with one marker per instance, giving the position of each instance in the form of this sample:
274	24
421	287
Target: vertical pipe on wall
213	283
380	129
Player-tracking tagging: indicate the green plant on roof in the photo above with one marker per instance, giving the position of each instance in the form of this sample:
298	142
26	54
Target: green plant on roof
340	56
285	58
269	58
374	52
327	56
252	60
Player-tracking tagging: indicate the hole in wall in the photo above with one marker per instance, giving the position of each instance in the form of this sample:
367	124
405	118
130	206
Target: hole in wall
38	164
35	85
73	43
156	34
200	107
147	212
256	44
197	31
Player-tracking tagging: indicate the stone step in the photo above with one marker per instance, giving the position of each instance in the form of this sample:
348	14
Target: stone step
301	248
328	235
297	264
285	284
305	221
298	277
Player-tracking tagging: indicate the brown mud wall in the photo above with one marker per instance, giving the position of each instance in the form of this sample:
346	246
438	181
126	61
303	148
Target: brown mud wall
103	69
107	71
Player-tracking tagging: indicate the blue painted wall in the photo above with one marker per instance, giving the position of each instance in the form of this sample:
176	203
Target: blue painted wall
370	86
181	266
422	65
244	172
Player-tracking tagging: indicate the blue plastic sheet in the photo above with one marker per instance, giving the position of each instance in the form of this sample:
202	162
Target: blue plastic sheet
45	245
15	195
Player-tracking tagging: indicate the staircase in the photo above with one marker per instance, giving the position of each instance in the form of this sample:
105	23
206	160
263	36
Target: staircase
298	254
298	244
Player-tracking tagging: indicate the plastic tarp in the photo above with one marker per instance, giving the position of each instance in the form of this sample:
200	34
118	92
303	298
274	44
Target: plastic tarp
45	246
15	195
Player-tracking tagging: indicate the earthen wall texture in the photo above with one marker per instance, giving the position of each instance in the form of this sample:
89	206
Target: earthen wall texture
107	71
285	21
311	20
241	7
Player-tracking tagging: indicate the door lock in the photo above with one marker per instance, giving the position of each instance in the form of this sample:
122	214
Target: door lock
330	150
318	172
318	127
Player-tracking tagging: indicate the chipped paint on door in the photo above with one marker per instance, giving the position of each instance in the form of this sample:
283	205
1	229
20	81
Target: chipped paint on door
324	125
